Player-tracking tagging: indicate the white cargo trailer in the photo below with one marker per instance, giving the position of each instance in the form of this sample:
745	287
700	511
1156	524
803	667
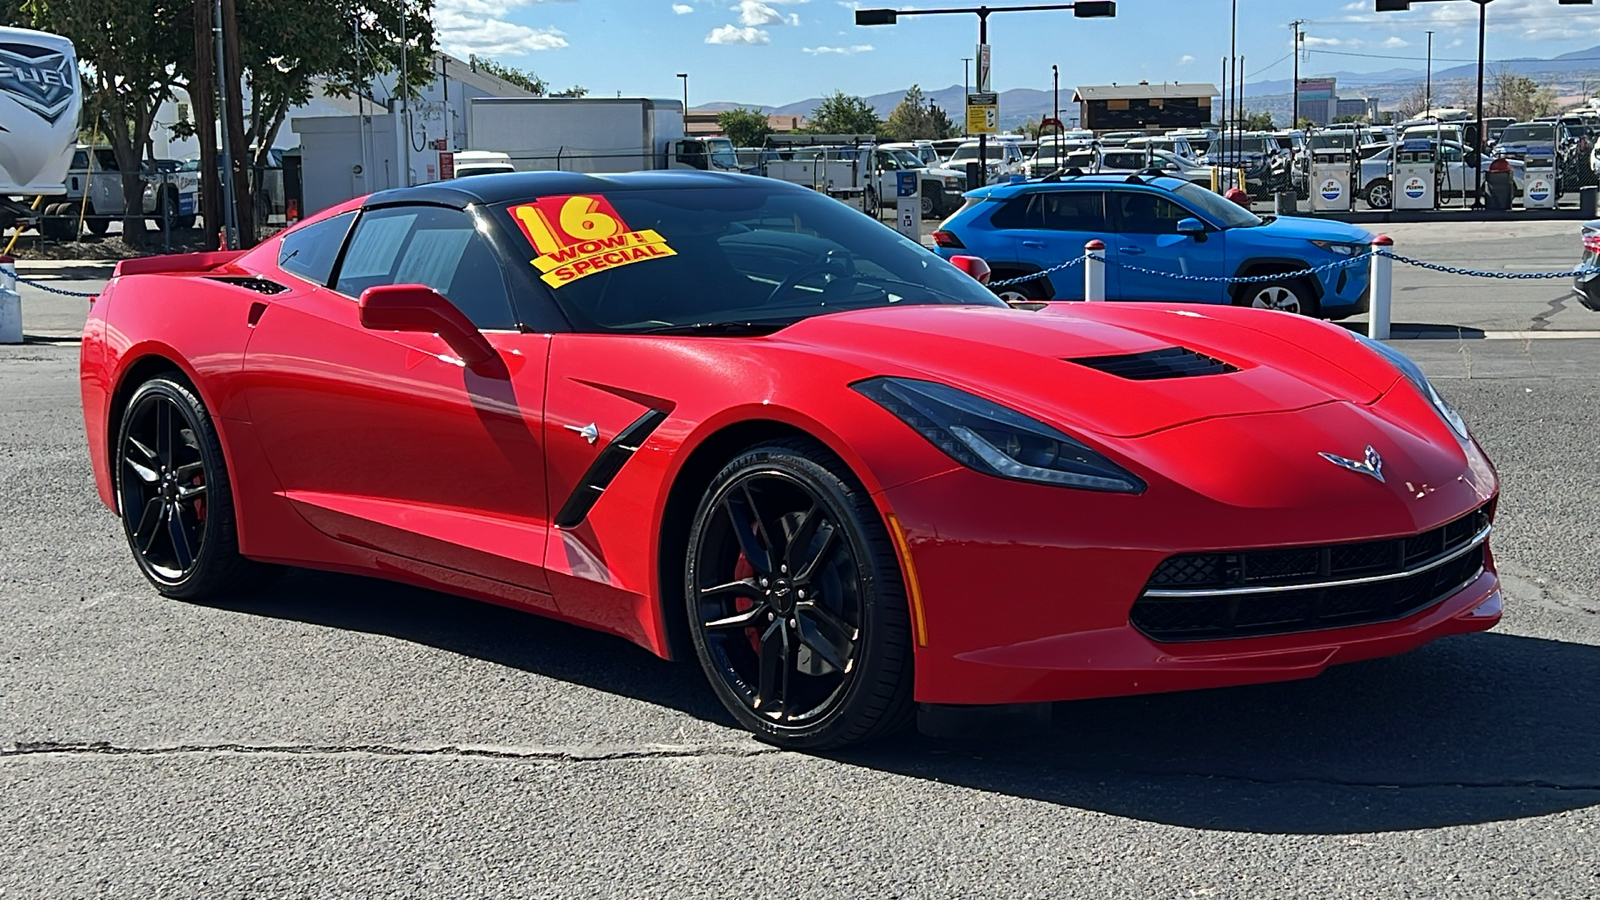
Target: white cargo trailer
592	135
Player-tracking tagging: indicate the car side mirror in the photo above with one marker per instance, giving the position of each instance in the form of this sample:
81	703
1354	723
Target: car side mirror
974	266
1191	226
420	309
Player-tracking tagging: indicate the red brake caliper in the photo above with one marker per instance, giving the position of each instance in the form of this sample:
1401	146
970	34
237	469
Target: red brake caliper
742	570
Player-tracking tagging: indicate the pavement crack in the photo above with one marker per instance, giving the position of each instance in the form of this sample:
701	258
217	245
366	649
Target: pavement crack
596	753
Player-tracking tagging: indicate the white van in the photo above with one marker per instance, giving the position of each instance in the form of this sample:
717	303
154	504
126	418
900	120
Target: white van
482	162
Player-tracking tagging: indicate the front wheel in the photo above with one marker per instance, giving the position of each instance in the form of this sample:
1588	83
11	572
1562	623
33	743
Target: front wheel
795	601
175	498
1283	296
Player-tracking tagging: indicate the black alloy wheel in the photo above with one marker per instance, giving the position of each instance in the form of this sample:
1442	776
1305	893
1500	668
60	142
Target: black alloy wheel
174	496
795	600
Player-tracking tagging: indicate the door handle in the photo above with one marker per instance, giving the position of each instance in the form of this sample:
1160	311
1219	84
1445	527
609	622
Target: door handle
1131	251
1037	244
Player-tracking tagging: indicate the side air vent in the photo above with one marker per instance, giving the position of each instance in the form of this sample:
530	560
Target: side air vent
259	285
1171	362
605	467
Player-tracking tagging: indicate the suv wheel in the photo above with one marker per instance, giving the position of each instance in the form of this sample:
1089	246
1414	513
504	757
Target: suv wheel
1380	194
1284	296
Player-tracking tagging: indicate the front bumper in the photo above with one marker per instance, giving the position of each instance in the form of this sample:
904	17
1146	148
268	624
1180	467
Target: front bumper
1027	592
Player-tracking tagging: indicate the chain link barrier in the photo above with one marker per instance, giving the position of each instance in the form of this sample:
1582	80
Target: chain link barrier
1360	259
1480	273
54	290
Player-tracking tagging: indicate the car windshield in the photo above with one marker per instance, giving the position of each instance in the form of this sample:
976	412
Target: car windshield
1128	160
1334	140
970	151
1516	134
694	258
1240	145
905	158
1224	212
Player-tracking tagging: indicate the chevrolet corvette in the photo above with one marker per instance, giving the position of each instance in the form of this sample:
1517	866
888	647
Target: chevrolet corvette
734	421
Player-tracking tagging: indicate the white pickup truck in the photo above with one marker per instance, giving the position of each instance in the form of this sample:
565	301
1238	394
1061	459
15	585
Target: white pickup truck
171	196
867	175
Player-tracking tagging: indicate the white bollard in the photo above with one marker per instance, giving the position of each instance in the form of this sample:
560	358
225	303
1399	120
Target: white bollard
1094	271
1379	285
10	303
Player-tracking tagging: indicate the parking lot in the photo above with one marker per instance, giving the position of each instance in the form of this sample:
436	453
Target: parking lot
336	736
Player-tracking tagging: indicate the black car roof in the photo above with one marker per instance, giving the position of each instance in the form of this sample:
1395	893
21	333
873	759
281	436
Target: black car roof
511	186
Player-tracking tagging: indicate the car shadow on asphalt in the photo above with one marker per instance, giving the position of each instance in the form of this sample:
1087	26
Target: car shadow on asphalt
1469	729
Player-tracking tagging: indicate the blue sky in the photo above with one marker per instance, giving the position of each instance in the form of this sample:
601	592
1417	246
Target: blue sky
774	52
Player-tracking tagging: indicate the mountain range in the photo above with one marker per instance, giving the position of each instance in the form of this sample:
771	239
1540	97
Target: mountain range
1018	105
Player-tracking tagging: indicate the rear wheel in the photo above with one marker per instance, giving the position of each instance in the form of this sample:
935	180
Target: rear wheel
1291	296
795	602
1380	194
174	496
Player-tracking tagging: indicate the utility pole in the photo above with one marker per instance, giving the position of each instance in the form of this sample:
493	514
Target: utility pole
1055	80
1427	93
1233	54
405	108
1294	121
966	77
230	222
685	77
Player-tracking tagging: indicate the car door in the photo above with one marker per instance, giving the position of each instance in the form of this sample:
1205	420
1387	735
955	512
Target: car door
1151	252
1052	227
386	440
1454	177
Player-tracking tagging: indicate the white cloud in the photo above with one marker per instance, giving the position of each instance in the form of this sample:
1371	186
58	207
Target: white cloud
682	9
756	12
466	27
1395	43
841	51
1185	59
733	34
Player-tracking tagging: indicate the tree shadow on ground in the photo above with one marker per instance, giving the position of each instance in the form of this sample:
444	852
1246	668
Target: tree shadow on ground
1469	729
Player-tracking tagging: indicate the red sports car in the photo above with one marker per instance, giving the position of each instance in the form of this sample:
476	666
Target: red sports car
732	419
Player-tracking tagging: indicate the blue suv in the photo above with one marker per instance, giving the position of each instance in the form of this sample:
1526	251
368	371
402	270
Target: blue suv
1156	227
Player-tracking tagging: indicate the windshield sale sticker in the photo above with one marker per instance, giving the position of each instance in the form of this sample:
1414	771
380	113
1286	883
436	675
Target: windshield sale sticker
577	236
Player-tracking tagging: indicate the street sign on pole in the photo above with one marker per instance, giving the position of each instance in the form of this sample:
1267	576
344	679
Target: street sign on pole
983	113
983	69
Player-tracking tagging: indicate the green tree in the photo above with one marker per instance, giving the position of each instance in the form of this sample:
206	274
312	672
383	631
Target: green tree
917	119
839	113
1257	121
1519	96
523	78
745	127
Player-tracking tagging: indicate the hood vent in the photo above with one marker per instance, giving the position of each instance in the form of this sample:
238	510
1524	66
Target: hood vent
1169	362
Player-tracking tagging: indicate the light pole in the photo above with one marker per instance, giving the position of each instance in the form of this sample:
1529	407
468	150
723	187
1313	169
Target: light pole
1083	9
1055	89
966	76
1427	91
685	77
1294	117
1483	19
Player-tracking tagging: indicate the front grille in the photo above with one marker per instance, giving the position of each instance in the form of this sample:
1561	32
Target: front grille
1209	596
1169	362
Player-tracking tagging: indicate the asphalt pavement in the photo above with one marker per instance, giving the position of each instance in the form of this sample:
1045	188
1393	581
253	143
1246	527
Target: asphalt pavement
338	736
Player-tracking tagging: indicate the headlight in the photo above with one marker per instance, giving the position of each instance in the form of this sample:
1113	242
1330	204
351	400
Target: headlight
996	440
1342	248
1413	373
954	181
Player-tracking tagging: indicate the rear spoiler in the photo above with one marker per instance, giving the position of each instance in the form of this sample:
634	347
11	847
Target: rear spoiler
177	263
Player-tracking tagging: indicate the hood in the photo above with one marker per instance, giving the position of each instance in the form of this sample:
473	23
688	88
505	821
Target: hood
1306	228
1052	365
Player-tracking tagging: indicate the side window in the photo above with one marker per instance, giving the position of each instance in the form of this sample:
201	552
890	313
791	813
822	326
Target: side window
1074	210
310	252
1143	212
437	247
1019	212
1451	154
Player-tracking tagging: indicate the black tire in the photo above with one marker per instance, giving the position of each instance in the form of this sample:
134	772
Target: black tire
1379	194
184	223
1292	295
175	499
871	205
930	205
97	225
166	215
834	668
